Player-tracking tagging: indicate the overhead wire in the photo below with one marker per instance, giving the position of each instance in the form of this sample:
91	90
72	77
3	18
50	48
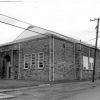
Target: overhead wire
33	31
21	27
15	19
93	39
30	24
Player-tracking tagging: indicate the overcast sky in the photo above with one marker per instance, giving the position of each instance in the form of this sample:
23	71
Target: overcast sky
68	17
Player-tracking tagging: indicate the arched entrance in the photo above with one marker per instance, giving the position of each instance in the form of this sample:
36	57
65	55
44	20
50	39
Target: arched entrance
6	68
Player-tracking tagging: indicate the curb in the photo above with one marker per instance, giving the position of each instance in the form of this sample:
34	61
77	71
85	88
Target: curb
24	88
89	85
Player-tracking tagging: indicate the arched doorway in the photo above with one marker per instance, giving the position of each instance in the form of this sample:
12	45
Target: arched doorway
6	68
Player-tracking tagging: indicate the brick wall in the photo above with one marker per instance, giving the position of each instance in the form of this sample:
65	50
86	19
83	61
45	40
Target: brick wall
82	50
35	46
67	56
77	60
64	68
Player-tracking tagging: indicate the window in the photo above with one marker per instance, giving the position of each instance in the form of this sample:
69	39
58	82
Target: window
88	63
85	62
41	60
26	61
33	59
91	60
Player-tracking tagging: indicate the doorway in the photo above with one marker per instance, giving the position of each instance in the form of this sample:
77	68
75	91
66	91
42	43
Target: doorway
6	68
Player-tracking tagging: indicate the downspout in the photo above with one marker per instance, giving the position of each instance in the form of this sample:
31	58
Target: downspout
19	63
50	59
74	62
53	57
89	58
81	67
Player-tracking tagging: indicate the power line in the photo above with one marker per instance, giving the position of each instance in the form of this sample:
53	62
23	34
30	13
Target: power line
32	25
18	26
15	19
22	28
28	24
93	39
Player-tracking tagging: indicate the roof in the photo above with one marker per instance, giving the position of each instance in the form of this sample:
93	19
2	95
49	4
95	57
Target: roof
33	32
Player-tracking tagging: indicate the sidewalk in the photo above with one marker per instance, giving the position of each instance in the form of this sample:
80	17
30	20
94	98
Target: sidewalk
21	85
47	91
9	84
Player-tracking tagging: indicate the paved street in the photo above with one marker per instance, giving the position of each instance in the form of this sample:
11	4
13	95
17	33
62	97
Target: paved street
61	91
91	94
54	92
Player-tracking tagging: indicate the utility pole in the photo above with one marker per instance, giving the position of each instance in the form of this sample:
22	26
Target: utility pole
96	42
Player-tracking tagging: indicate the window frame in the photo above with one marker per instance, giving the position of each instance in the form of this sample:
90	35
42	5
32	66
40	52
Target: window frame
25	60
90	65
40	61
35	59
85	58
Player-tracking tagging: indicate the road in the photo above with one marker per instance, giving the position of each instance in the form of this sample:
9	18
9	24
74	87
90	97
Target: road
57	92
91	94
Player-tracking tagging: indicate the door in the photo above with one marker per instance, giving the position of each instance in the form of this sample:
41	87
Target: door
5	67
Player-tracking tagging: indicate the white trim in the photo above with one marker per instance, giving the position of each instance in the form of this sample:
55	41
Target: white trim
39	60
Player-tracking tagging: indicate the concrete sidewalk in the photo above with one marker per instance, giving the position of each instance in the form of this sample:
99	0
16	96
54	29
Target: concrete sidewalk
9	84
48	91
71	86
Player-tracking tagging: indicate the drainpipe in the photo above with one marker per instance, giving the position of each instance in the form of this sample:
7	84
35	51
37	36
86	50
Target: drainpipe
89	58
50	59
19	63
74	62
53	57
81	67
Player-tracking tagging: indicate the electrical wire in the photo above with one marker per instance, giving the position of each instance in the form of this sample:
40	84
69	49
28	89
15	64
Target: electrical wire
15	19
93	39
32	25
21	28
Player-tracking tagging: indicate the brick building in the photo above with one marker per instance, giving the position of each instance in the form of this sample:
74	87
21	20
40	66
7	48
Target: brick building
48	57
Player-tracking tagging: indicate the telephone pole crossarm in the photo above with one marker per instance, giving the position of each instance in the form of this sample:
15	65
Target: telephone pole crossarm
93	19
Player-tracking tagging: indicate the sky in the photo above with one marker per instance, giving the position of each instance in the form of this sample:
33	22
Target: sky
67	17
